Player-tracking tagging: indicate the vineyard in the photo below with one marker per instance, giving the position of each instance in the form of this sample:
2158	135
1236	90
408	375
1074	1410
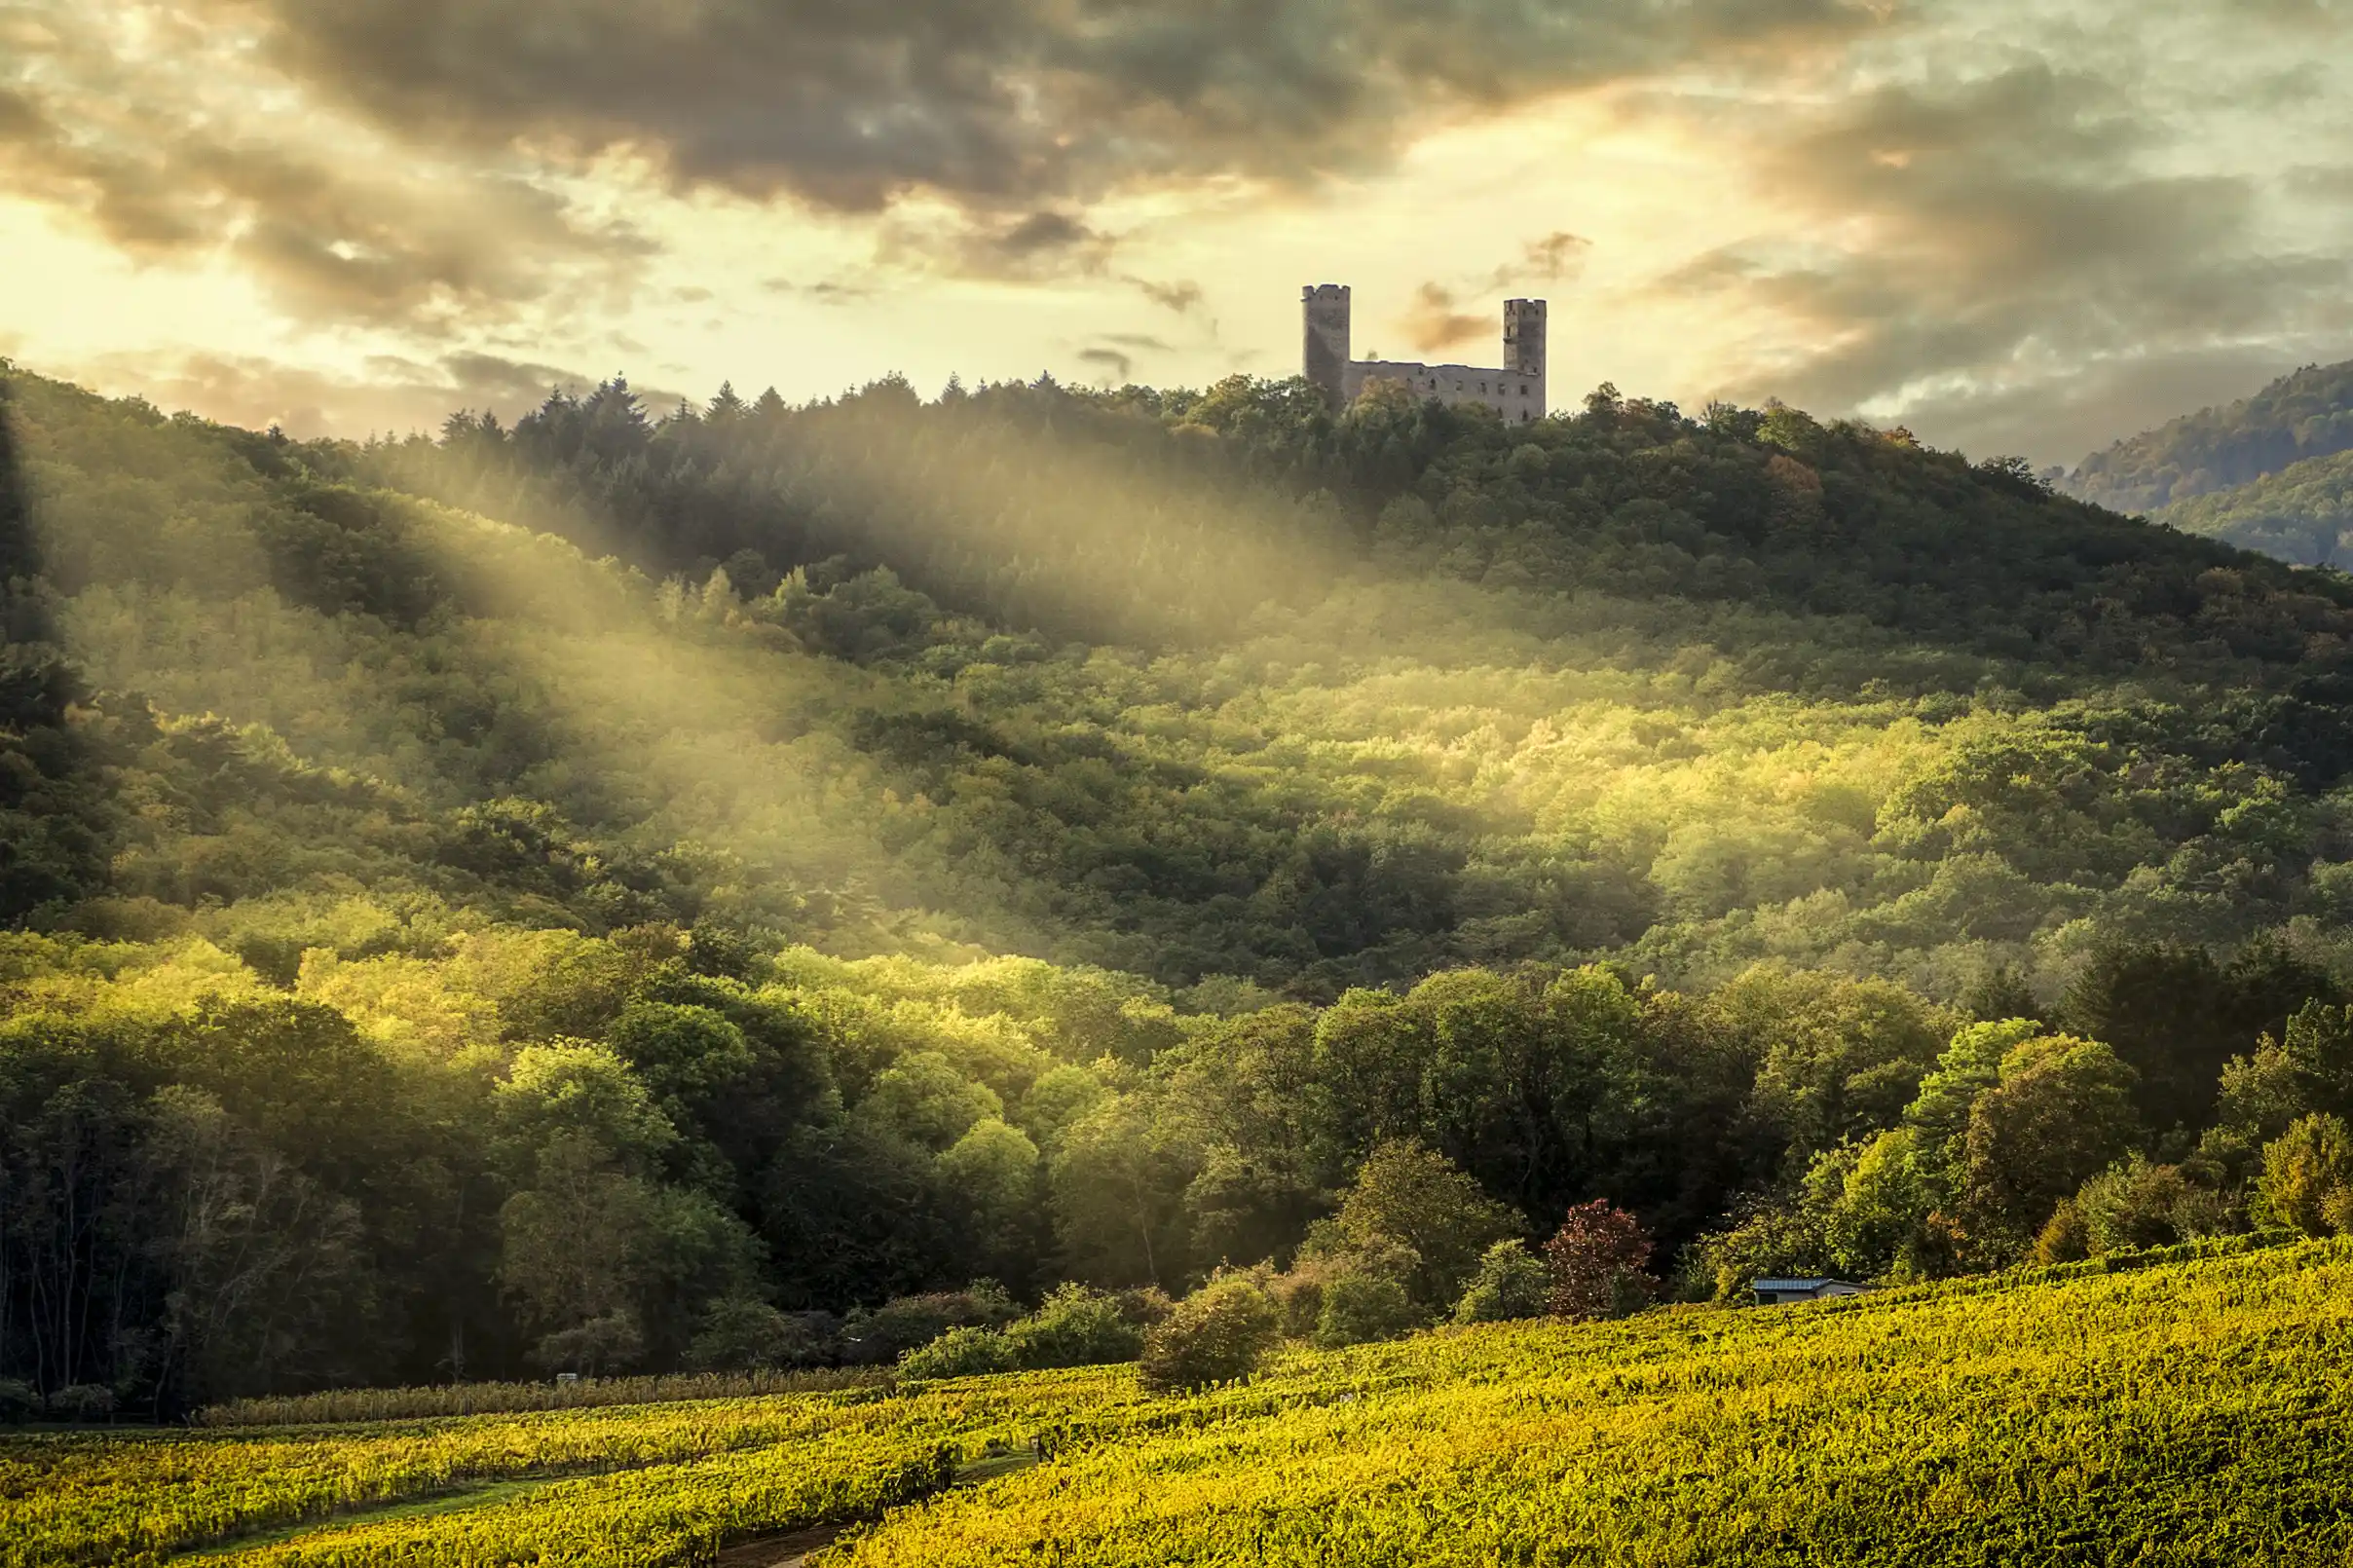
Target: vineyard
2191	1412
486	1399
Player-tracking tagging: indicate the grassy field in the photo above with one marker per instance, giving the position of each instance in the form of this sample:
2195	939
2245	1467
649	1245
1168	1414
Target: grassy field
2192	1412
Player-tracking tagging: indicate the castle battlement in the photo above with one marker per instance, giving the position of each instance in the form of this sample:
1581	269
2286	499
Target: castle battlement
1515	389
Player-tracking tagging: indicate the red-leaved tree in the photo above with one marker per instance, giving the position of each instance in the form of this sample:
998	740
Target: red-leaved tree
1597	1260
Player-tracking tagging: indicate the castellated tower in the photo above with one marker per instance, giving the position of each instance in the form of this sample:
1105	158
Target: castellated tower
1525	337
1326	307
1516	389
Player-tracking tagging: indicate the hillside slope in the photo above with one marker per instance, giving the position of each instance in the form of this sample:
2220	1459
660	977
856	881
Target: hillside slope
2300	513
2307	415
2149	1411
1238	692
2177	1416
623	893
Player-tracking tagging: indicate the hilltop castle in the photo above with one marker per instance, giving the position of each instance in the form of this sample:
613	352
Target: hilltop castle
1516	391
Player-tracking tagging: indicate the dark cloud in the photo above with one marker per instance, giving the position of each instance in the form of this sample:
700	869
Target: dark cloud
1023	247
825	292
1043	244
1041	234
2059	419
21	121
1183	298
333	239
2327	182
1440	316
1987	251
1555	258
1120	366
1009	105
1433	323
1144	342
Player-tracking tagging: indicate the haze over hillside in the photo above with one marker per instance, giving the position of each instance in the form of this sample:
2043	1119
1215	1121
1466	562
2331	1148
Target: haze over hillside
1152	896
623	892
2302	416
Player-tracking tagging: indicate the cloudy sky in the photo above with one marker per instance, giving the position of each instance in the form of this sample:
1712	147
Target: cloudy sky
2016	228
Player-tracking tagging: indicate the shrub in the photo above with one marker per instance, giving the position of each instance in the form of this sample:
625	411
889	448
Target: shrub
1359	1307
1220	1332
1074	1327
2135	1205
83	1402
1766	1239
18	1404
1511	1282
739	1333
1596	1260
1328	1256
2064	1238
1144	1305
959	1353
1298	1297
902	1323
610	1343
2305	1168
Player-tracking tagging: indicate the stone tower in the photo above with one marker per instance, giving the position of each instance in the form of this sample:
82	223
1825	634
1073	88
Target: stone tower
1525	337
1326	307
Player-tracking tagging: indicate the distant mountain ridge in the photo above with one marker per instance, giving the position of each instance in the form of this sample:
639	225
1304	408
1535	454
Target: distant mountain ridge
2307	415
2299	514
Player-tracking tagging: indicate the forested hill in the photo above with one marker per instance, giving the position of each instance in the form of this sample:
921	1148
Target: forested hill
1203	685
2299	514
574	891
2307	415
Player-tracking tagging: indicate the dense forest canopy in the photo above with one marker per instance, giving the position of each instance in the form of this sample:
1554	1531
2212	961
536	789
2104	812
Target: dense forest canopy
2307	415
627	890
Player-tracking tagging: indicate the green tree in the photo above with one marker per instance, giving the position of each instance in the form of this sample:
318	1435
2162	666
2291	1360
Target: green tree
2176	1016
992	1174
263	1262
1118	1185
1414	1197
1511	1282
1969	1065
2308	1180
1361	1306
2319	1046
959	1353
1875	1204
2061	1113
1835	1057
924	1099
595	1249
738	1332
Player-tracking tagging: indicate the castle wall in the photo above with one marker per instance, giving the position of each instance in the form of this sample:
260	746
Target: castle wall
1518	398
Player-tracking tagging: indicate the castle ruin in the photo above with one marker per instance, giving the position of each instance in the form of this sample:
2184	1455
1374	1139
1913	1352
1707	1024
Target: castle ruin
1516	391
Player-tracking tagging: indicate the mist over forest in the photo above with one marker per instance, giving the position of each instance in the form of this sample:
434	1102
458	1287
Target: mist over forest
649	889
